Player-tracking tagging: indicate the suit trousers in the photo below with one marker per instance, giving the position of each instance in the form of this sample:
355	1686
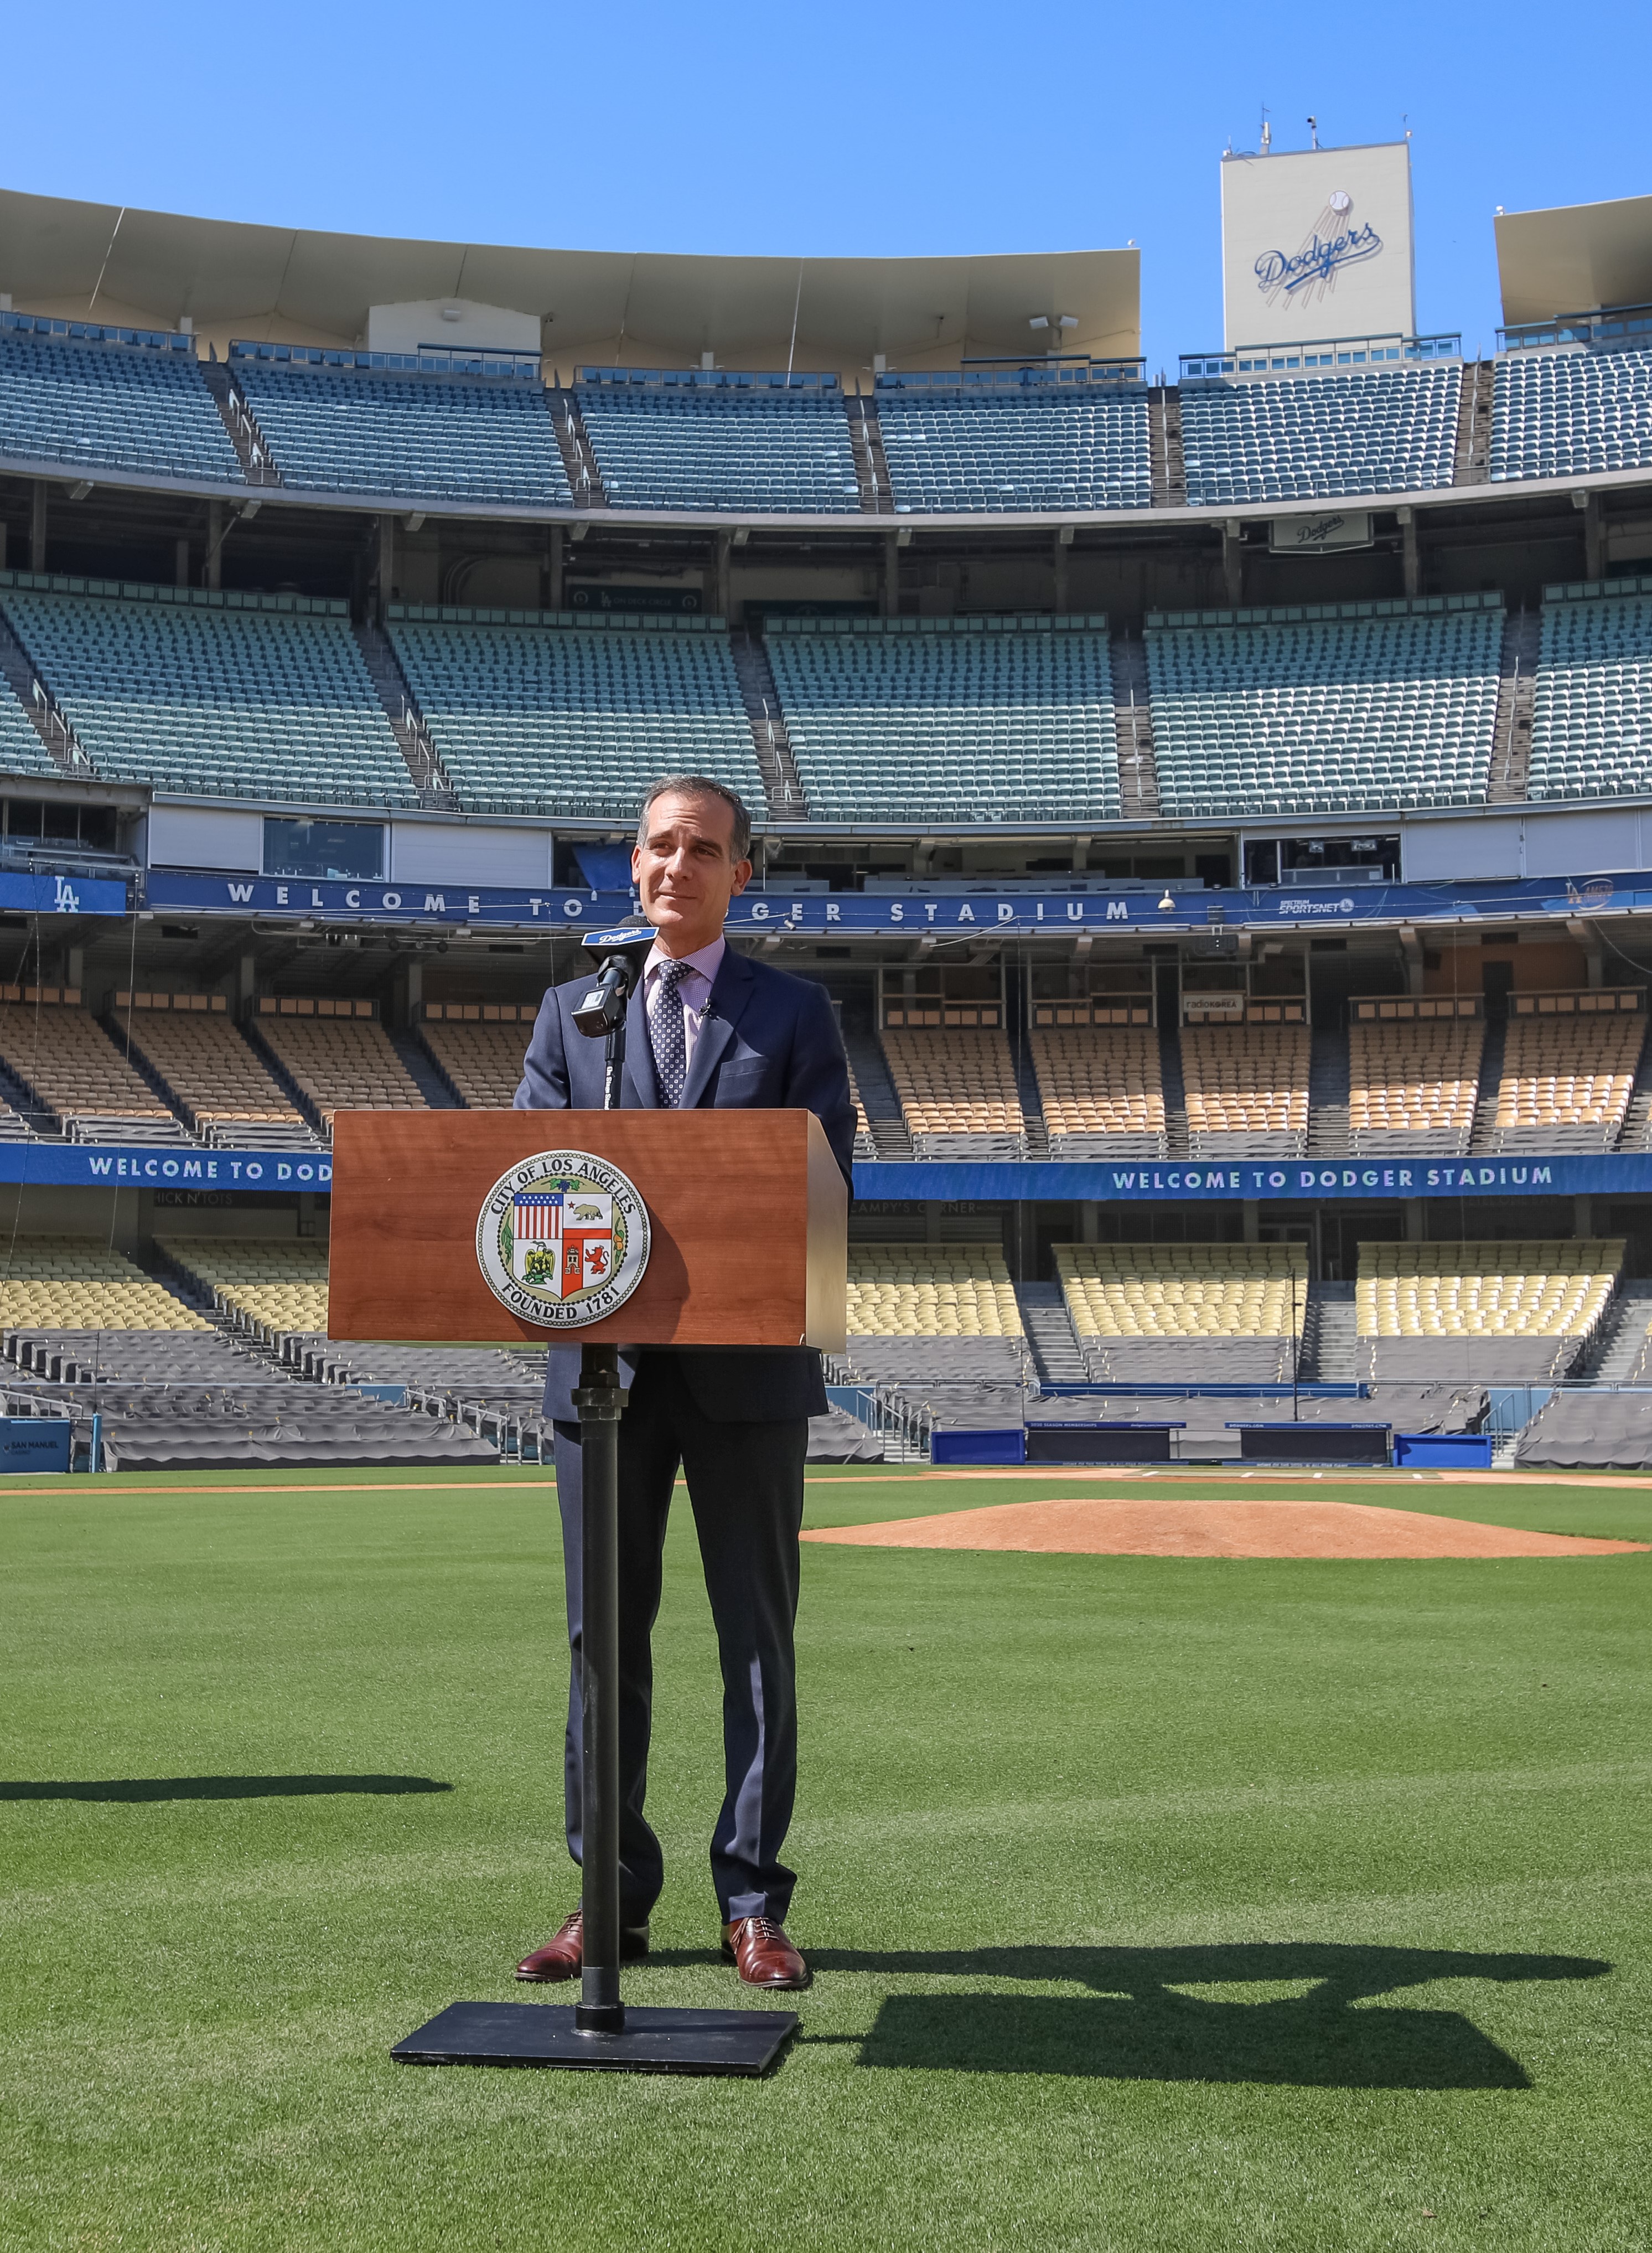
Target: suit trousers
745	1485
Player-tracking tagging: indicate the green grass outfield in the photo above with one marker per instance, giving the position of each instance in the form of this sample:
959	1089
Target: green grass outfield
1155	1904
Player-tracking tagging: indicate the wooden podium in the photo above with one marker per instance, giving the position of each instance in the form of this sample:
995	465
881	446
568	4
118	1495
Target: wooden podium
747	1228
747	1209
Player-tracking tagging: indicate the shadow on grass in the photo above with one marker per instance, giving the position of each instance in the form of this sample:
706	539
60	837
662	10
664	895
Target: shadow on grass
1139	2026
223	1786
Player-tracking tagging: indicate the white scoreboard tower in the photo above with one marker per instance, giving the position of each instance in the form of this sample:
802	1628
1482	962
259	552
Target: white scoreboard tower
1318	244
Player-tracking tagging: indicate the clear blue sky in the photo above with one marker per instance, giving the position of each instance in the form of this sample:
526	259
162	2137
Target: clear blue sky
819	129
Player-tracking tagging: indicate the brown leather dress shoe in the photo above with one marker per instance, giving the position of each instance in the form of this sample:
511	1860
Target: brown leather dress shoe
563	1955
764	1956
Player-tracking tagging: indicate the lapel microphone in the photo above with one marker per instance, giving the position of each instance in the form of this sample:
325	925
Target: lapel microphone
619	956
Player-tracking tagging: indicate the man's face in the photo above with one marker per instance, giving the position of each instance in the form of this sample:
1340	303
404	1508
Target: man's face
685	870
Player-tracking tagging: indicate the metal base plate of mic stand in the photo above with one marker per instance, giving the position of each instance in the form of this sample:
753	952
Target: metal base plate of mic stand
600	2033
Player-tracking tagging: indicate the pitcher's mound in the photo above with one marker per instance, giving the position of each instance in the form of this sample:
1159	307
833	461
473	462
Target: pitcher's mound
1166	1526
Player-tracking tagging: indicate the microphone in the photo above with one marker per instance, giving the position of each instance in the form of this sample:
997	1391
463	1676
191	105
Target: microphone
620	956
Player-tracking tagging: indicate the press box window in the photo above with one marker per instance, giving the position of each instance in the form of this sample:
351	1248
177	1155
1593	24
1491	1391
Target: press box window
323	848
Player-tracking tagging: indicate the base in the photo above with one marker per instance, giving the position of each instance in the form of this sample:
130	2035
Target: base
653	2041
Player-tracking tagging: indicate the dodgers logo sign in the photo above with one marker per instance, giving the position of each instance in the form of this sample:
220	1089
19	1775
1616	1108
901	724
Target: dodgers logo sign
562	1238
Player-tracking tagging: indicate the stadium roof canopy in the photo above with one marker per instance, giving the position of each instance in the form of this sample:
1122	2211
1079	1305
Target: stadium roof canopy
150	269
1575	259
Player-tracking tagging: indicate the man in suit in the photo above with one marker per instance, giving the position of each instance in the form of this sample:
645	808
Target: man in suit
706	1029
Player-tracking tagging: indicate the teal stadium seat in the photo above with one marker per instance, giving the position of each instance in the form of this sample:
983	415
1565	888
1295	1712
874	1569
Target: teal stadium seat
90	397
1570	413
21	751
1592	705
942	720
224	694
546	712
1316	437
334	426
716	439
957	446
1330	708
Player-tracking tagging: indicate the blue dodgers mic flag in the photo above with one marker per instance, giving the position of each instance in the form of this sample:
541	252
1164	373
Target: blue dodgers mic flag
621	955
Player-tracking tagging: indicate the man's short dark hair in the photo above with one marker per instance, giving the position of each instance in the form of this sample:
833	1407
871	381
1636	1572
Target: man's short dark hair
698	785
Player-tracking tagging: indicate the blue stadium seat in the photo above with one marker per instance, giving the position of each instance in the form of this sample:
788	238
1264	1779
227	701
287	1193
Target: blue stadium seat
544	711
966	447
338	423
1564	413
227	695
712	439
1591	708
21	751
1334	708
949	719
1318	437
94	398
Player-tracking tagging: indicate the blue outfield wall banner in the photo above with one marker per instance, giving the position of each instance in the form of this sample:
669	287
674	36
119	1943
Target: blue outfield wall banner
1294	1178
85	1165
964	914
91	895
88	1165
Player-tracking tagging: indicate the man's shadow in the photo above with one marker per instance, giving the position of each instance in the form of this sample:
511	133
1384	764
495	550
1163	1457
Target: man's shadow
1140	2023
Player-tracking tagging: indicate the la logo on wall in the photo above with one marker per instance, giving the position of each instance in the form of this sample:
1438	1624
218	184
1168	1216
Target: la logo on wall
562	1238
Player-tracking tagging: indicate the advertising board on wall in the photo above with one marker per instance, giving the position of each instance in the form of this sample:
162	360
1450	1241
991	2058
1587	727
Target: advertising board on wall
1317	243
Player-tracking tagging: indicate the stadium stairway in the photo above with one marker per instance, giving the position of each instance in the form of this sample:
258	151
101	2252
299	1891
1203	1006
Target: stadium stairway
1056	1354
49	722
432	1084
1637	1124
1328	1334
258	464
1133	723
1175	1090
782	784
1168	465
871	466
1327	1083
1472	464
1482	1136
1618	1355
575	445
407	722
1517	691
1035	1126
878	1098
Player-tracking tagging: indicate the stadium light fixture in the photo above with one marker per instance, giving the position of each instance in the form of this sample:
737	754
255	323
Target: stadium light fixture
1039	321
80	489
414	520
1167	904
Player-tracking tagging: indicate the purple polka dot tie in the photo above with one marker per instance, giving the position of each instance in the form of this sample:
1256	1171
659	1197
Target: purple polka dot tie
666	1036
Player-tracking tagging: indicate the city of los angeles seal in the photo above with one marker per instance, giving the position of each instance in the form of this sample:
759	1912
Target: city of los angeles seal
562	1238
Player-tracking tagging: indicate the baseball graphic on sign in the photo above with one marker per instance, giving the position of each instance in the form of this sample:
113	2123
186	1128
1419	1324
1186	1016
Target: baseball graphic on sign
562	1238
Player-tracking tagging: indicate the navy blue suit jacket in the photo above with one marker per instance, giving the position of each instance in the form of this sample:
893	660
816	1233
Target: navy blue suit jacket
768	1042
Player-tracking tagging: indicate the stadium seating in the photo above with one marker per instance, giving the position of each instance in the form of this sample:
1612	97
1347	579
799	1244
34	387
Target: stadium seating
340	1063
967	448
63	1054
983	718
1316	437
78	1283
1568	1070
1100	1090
480	1060
274	1287
1591	709
865	1143
542	712
91	401
1514	1312
1185	1314
1246	1089
1326	710
930	1291
957	1093
21	751
694	439
1413	1075
228	695
1567	414
213	1076
333	428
